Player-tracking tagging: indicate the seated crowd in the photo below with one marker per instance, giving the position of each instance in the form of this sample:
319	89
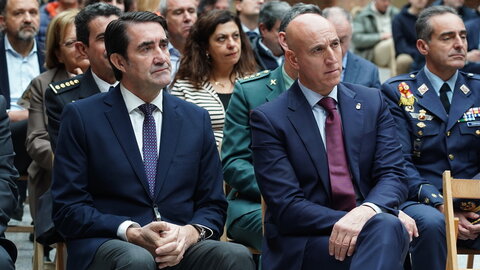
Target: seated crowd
153	129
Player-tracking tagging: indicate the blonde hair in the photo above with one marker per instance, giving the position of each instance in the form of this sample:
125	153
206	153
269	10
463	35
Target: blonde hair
148	5
56	31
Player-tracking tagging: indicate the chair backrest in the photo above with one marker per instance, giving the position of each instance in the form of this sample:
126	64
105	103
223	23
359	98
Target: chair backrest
459	189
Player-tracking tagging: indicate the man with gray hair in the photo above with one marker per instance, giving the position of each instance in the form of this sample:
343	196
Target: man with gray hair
355	68
266	47
436	115
244	214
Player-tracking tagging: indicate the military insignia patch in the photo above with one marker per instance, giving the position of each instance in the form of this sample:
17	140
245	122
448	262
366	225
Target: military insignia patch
406	96
464	89
422	89
470	115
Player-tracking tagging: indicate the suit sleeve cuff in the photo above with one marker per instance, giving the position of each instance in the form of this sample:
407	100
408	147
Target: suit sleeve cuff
122	229
375	208
430	195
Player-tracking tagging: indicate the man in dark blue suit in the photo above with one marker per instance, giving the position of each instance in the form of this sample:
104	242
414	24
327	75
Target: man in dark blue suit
473	38
331	197
436	111
124	199
356	69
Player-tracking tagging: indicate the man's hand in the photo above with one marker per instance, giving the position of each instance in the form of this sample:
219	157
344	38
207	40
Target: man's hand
466	230
16	116
345	232
171	253
409	224
440	208
148	236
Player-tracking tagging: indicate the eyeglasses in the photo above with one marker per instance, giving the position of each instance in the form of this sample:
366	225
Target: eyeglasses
68	43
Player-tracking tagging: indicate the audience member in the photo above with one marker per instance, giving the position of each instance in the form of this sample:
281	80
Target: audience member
118	3
266	47
372	33
432	110
473	38
355	69
21	60
130	5
90	24
244	213
8	189
180	15
164	202
219	53
205	6
50	10
320	211
408	58
248	12
463	11
149	5
62	61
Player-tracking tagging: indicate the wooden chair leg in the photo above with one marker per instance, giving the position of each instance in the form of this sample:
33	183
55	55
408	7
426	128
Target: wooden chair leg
470	258
38	256
60	259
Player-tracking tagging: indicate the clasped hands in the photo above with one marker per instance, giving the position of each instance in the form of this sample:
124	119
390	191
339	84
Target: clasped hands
167	242
343	238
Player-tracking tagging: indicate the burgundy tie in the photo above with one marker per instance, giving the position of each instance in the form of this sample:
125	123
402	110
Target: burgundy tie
343	193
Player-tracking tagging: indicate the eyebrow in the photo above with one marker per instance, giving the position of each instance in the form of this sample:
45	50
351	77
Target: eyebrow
145	44
449	33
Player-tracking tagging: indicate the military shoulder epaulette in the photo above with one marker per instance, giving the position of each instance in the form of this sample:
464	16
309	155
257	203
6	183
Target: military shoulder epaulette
65	85
255	76
471	75
403	77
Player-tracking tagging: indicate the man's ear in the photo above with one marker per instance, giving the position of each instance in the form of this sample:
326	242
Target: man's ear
262	28
118	61
422	46
291	58
282	40
81	48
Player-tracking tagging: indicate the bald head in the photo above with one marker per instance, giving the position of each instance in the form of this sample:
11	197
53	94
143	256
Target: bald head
314	51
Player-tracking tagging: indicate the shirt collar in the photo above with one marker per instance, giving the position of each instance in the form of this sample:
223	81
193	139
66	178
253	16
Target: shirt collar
132	101
269	52
9	48
313	97
246	29
437	82
286	79
102	85
344	65
173	51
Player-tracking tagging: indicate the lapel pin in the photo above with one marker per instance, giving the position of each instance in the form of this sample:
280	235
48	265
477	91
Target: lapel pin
464	89
358	106
273	82
422	89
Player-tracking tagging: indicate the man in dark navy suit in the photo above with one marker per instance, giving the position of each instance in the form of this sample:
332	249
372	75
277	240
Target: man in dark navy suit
137	180
436	111
328	165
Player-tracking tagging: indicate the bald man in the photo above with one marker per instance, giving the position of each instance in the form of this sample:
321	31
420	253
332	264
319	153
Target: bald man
330	201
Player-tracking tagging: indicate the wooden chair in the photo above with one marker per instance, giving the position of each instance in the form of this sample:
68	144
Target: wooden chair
460	189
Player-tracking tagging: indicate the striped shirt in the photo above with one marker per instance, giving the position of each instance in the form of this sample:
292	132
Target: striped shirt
207	98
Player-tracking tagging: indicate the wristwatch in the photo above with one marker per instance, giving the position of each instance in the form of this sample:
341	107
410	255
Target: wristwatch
201	232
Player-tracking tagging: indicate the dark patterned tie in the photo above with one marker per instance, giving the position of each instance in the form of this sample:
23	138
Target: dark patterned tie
343	193
149	145
444	98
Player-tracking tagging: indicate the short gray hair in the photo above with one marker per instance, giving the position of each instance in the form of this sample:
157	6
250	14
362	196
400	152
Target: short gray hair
423	27
272	12
334	12
295	11
163	7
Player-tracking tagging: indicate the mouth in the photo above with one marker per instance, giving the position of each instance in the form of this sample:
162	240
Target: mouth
333	71
161	69
232	54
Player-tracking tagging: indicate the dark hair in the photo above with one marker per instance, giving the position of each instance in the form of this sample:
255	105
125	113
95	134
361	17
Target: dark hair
3	4
89	13
195	66
295	11
423	27
271	12
116	39
90	2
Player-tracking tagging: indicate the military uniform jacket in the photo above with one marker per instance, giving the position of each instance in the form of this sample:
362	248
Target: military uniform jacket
433	141
62	93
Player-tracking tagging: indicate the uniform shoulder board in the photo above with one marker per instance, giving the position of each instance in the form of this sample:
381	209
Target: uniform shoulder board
403	77
65	85
471	75
254	76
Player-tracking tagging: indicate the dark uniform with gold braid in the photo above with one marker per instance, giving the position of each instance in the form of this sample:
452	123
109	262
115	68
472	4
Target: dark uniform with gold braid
434	141
64	92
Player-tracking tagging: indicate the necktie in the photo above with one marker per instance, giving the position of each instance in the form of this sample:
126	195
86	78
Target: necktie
343	193
149	145
251	34
444	98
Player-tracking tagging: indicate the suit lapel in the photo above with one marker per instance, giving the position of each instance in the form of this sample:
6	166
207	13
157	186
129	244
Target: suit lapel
352	123
171	126
88	86
460	101
429	99
352	70
303	121
119	119
275	84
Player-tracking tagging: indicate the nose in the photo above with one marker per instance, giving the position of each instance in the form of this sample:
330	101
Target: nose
330	57
161	56
231	43
459	42
187	16
27	17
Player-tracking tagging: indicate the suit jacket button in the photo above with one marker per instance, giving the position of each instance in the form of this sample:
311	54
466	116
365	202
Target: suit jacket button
451	156
448	133
420	133
477	131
